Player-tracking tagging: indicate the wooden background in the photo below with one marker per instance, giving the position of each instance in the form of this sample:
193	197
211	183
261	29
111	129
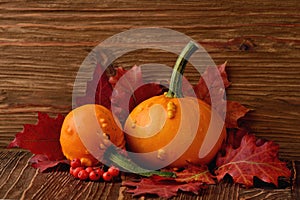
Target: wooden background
43	43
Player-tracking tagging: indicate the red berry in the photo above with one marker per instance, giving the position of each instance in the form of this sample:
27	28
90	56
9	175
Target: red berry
76	171
71	170
107	176
99	171
83	175
89	169
114	171
94	176
75	163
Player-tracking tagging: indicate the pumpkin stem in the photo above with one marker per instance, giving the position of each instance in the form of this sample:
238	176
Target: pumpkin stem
175	88
123	162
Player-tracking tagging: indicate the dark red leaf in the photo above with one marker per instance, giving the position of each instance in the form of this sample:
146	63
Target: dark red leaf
249	161
235	111
144	92
98	90
42	162
209	85
209	88
195	174
130	90
120	71
235	136
41	138
161	187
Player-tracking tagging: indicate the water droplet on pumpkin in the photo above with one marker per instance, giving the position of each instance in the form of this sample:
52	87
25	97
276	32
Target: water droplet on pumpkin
69	130
133	125
106	142
102	146
161	154
106	136
104	125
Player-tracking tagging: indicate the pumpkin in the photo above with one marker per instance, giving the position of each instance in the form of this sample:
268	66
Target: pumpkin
172	130
94	126
86	123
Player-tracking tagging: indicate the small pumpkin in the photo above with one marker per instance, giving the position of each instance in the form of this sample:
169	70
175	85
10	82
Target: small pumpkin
84	124
174	130
87	120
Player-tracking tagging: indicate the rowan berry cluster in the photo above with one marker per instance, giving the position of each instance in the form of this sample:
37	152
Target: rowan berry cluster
92	173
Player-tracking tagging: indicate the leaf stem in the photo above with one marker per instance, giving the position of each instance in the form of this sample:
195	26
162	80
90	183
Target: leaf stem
123	162
175	88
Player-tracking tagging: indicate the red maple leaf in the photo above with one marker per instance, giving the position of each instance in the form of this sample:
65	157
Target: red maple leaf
130	90
42	138
163	187
249	161
98	90
209	88
193	173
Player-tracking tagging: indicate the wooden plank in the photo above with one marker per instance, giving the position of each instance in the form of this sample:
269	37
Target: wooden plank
18	180
296	180
42	45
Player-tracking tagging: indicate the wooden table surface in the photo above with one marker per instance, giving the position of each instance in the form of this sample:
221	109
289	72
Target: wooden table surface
43	43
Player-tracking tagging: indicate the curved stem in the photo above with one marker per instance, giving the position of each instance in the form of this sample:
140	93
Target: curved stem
125	163
175	88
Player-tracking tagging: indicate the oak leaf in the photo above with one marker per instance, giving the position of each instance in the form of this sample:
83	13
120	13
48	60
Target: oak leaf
235	136
250	160
210	87
234	112
129	90
163	187
193	173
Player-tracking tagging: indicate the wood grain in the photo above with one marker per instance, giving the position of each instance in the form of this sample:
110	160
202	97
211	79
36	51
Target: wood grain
19	180
43	43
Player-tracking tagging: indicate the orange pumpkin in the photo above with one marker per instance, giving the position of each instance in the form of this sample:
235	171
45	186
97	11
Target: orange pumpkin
85	122
174	130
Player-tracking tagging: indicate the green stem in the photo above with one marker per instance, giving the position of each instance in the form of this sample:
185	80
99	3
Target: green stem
175	88
123	162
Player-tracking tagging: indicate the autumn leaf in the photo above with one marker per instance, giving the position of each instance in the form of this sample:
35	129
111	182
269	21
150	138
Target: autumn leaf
193	173
249	161
41	138
209	88
235	136
120	71
98	90
162	187
235	111
130	90
208	85
43	163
